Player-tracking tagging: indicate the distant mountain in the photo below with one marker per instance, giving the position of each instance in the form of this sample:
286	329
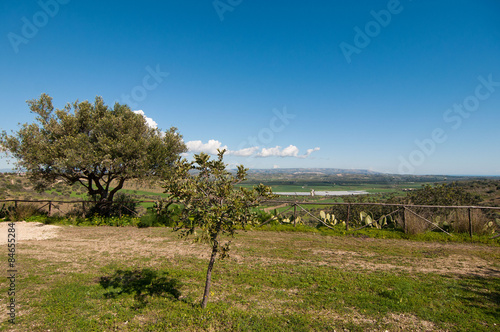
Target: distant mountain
312	171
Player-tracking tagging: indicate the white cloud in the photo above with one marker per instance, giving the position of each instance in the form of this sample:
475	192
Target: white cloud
309	151
210	147
289	151
149	121
244	152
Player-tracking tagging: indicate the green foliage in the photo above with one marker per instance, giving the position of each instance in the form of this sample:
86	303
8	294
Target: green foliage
3	211
329	219
124	205
209	198
20	213
367	219
161	214
207	191
95	220
91	144
291	220
261	217
442	194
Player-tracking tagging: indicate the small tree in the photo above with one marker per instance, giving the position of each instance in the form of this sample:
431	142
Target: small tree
91	144
211	202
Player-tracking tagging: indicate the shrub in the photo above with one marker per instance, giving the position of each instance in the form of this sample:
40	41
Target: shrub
23	212
161	214
124	205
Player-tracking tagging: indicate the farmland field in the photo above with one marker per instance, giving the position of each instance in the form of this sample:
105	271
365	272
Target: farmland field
272	281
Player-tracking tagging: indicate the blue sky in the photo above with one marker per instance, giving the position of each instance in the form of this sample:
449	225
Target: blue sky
392	86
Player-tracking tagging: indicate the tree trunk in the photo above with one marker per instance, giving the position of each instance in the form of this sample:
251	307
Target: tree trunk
104	197
208	282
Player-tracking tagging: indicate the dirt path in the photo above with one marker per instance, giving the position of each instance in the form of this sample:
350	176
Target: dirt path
28	231
266	210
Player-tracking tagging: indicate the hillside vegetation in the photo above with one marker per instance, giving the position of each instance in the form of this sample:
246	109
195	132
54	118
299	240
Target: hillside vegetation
13	186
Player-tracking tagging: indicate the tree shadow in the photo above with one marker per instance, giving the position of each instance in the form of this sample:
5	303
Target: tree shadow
141	283
482	293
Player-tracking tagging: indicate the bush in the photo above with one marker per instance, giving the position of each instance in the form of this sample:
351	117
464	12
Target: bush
22	212
122	205
161	214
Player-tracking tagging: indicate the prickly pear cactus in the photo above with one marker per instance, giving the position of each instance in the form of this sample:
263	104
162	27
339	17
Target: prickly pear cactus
328	218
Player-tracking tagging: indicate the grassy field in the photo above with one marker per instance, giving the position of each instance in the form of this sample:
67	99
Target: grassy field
273	281
371	188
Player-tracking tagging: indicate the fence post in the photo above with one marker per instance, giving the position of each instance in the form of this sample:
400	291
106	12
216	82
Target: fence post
294	214
83	209
348	215
50	209
15	204
404	220
470	222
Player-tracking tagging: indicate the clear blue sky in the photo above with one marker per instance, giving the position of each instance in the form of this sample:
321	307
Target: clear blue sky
392	86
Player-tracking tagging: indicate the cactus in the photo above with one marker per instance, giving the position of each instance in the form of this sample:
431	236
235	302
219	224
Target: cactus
329	219
366	218
489	227
298	220
386	221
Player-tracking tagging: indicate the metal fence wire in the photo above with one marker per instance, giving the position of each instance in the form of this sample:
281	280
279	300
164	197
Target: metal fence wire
412	219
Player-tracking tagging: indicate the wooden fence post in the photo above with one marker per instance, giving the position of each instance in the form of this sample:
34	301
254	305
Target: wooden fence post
50	209
348	215
294	214
470	222
405	226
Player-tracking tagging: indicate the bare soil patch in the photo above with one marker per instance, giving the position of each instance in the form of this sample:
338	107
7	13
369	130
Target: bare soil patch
29	231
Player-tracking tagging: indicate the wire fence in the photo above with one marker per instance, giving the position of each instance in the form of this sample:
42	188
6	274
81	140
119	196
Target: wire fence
412	219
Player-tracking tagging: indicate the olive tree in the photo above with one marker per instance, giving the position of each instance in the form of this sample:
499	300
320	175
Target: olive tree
92	144
211	203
